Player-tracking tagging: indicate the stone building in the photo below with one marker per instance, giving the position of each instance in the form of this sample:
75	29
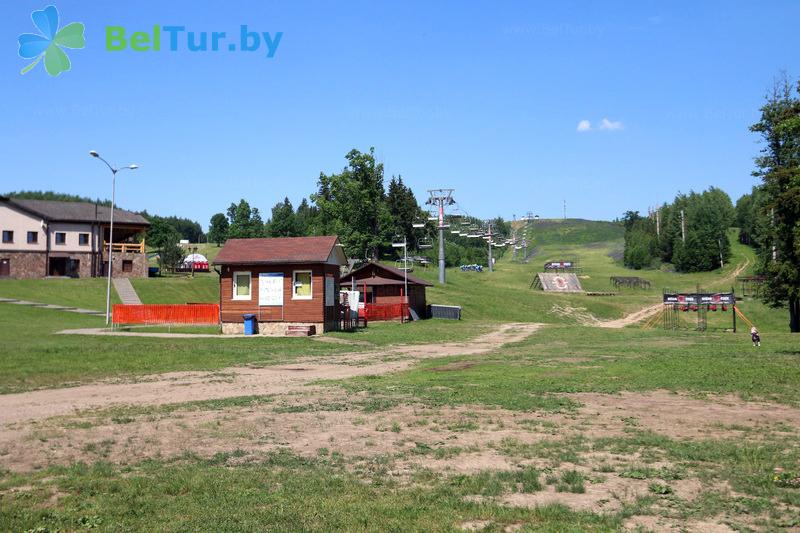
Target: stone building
42	238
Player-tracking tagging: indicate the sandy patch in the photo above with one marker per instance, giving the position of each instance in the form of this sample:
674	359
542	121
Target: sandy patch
680	416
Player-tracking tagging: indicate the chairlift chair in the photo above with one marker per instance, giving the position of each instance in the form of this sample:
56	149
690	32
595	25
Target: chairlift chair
398	241
402	265
424	243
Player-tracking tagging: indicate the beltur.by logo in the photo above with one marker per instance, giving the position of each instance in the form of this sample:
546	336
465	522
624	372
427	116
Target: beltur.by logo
50	43
175	38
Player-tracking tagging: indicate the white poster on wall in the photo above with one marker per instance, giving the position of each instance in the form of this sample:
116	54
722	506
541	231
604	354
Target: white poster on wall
330	287
270	288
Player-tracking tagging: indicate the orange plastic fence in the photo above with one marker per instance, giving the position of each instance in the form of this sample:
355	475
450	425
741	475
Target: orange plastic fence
385	311
166	314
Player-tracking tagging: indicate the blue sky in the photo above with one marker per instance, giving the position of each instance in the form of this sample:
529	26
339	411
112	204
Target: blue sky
484	97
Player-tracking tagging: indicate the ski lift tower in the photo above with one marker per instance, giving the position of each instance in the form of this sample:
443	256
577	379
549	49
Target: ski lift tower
441	198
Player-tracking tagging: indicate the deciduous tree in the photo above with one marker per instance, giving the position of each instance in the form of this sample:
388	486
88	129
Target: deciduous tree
779	170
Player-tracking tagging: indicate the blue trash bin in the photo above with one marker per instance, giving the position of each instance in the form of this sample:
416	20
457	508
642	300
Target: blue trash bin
249	324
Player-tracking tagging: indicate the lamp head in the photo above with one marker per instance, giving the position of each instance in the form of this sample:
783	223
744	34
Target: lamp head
94	154
133	167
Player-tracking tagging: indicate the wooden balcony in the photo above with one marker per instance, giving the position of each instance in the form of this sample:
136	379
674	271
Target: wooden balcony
126	247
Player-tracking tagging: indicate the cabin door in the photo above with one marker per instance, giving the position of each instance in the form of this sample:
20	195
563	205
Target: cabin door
270	296
5	267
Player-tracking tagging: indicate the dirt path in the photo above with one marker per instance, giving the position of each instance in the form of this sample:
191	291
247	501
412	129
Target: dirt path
736	273
587	319
177	387
632	318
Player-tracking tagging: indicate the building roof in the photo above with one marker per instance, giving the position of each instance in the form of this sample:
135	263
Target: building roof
57	211
373	273
281	250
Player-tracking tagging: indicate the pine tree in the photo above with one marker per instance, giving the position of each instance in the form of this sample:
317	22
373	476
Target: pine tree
283	222
244	222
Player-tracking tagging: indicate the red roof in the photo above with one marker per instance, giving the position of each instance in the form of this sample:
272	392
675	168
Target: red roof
370	274
281	250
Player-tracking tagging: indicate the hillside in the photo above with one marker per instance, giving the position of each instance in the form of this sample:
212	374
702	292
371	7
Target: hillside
505	295
569	231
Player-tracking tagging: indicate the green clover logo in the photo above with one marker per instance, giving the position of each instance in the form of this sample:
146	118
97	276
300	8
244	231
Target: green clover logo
48	45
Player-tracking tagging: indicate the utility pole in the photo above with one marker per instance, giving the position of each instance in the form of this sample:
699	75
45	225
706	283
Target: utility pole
683	227
565	209
441	198
514	241
491	265
658	222
721	263
772	223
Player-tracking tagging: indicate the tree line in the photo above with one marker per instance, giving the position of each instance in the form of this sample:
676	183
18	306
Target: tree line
691	233
356	205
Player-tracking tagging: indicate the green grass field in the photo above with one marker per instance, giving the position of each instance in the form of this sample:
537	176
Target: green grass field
574	428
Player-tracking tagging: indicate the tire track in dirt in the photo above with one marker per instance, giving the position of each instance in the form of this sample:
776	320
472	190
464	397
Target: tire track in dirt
178	387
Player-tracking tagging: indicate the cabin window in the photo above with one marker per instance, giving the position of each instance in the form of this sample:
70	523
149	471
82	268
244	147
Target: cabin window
369	297
83	239
301	288
33	237
61	238
127	265
241	285
8	236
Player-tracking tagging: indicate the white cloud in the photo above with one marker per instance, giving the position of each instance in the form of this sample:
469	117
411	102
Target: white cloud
584	125
610	125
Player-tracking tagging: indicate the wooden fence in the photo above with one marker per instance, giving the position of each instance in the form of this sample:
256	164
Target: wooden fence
166	314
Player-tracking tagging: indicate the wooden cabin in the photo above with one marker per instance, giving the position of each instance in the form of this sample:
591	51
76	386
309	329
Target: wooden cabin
290	284
384	287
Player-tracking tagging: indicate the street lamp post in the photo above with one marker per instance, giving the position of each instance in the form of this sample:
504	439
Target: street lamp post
404	245
114	171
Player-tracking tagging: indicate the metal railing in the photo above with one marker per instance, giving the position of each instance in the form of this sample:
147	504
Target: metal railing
126	247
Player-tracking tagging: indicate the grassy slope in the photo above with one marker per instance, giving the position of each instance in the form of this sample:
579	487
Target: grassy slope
571	231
